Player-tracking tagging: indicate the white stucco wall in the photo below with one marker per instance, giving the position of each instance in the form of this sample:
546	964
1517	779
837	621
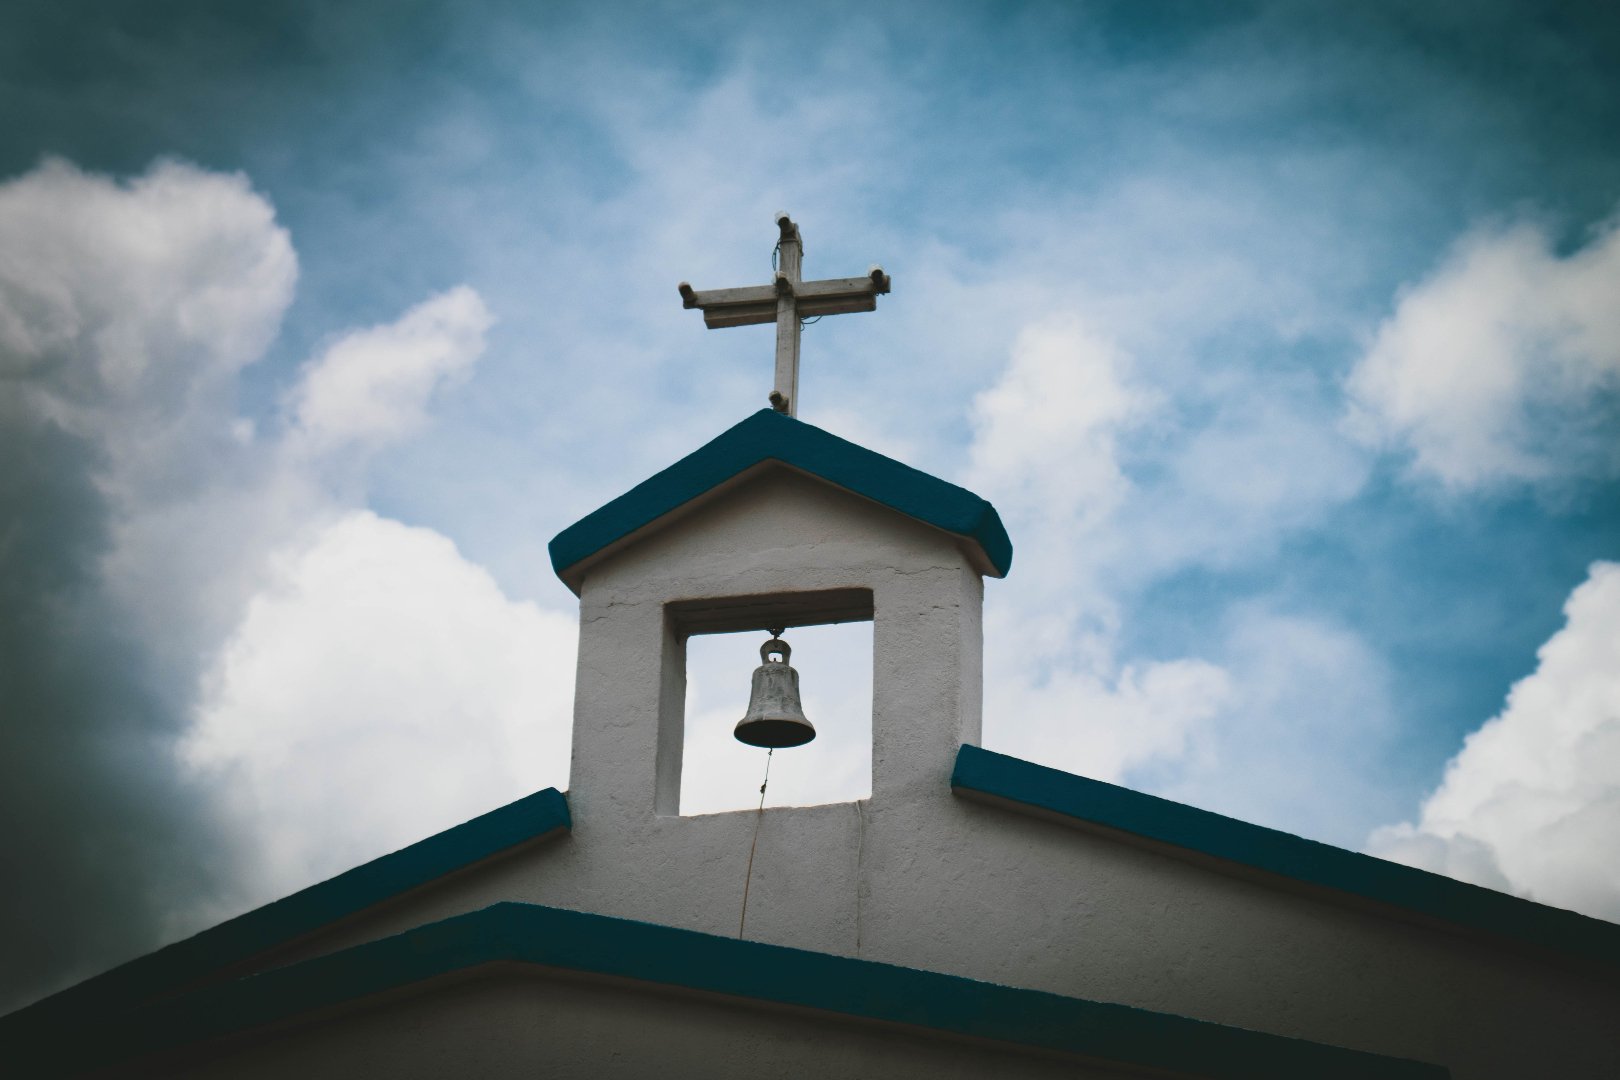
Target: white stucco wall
919	877
539	1025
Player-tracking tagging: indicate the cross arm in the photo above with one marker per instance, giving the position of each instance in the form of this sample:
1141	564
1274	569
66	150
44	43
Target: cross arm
834	296
732	307
757	303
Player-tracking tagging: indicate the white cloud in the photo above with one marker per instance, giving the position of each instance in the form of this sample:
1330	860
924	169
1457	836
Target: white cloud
240	582
379	689
1045	433
1104	724
127	310
1045	451
1108	488
373	386
190	554
1052	441
128	307
1532	801
1503	365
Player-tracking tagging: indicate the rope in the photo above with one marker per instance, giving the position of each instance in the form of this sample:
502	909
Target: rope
748	876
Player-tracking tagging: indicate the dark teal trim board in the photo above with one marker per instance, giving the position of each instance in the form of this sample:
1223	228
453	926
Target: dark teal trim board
526	934
771	436
1013	782
175	966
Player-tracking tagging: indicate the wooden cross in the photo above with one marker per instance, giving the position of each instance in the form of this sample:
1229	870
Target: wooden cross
787	301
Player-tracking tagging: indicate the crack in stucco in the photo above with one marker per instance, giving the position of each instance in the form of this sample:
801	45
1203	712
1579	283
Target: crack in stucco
921	569
860	856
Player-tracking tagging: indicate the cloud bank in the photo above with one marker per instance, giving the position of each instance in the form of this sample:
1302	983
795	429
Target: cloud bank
125	311
1045	448
1531	804
195	561
373	387
1503	365
197	615
379	687
1110	490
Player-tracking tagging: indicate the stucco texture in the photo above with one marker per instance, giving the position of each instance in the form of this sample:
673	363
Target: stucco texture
919	877
541	1025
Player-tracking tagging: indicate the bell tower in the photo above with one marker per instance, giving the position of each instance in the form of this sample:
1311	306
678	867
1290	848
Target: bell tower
774	524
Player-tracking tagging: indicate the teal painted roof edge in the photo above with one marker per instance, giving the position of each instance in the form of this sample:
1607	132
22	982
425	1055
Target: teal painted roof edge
661	955
768	435
1435	896
238	939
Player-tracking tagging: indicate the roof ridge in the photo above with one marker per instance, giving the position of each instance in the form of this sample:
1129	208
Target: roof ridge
769	436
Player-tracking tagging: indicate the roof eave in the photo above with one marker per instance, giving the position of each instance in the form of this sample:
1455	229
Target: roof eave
769	437
1282	859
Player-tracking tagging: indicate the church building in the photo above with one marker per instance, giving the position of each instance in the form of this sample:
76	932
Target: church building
977	915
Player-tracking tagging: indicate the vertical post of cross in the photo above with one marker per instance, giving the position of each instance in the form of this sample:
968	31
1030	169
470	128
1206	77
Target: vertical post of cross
790	258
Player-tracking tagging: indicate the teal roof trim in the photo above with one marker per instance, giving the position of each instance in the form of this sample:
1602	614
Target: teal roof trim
509	933
236	940
1007	780
770	436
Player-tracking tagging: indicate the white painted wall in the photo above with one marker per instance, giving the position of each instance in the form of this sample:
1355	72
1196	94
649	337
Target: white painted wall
539	1026
919	877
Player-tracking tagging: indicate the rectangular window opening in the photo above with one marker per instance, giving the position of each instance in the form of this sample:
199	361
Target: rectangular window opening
834	662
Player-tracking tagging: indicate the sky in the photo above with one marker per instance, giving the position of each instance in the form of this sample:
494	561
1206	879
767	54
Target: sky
1285	338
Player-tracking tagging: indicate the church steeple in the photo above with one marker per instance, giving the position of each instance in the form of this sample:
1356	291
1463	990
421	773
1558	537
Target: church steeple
775	523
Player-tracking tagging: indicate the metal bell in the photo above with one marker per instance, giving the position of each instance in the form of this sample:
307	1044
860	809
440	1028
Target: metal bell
775	717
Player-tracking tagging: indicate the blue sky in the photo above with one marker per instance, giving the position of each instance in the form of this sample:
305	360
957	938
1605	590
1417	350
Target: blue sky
1284	338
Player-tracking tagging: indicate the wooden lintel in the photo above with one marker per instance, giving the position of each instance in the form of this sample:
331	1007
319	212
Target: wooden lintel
737	613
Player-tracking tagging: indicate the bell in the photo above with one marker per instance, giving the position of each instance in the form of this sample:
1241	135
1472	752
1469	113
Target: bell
775	717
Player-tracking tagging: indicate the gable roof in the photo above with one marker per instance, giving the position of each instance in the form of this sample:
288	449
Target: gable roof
174	967
770	436
551	939
1022	785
